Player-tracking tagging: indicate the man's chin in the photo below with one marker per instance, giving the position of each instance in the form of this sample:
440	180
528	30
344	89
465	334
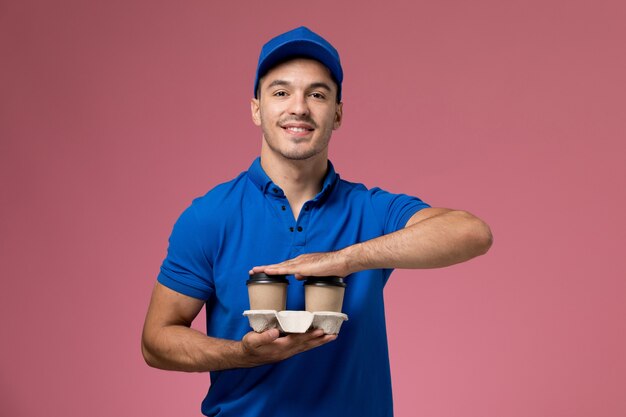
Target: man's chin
297	152
295	156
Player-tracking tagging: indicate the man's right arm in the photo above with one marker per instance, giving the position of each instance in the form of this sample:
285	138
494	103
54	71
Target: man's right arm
168	341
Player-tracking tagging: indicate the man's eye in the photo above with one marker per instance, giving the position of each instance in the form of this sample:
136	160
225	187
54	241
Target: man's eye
280	93
318	95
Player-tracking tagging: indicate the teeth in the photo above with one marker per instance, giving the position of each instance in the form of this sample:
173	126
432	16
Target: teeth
297	129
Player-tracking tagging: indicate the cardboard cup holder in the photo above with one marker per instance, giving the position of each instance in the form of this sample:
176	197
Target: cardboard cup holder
295	321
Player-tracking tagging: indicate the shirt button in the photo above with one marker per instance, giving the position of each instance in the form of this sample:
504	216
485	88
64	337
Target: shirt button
275	190
291	229
306	208
283	208
299	228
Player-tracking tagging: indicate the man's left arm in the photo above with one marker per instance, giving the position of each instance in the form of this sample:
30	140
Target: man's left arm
432	238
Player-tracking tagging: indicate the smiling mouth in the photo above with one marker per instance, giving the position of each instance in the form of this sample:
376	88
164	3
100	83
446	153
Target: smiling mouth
296	129
297	126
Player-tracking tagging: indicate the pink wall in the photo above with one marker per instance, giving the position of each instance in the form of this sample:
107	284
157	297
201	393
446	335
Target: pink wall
114	115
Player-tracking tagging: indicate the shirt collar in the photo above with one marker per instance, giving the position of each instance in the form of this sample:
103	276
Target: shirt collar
264	183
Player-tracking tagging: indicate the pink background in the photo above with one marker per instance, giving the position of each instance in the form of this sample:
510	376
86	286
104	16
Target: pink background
115	114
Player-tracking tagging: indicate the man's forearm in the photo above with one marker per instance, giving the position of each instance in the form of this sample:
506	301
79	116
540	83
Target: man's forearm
181	348
442	240
433	239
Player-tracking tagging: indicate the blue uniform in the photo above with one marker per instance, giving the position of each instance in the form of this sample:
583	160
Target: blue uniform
247	222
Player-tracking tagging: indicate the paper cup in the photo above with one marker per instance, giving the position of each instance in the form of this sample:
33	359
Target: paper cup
324	294
267	292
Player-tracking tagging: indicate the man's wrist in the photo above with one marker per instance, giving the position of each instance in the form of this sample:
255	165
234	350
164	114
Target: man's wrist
353	258
241	356
226	354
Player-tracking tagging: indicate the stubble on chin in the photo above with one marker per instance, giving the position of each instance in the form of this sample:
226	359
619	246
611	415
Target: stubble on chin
301	151
291	154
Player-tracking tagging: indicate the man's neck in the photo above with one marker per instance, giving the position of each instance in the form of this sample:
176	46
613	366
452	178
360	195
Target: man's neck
300	180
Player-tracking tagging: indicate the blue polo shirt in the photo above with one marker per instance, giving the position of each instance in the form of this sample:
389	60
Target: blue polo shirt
247	222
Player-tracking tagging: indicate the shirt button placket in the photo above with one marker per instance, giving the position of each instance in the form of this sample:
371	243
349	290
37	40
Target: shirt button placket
280	198
301	226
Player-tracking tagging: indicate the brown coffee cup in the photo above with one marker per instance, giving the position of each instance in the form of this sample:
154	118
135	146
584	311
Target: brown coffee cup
324	294
267	292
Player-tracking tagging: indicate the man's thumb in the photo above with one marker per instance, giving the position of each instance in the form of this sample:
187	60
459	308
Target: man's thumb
255	340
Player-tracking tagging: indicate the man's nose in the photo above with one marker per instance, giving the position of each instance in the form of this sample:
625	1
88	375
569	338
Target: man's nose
299	105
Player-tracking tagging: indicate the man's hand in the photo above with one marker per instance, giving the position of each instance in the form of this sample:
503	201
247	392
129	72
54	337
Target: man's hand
267	347
319	264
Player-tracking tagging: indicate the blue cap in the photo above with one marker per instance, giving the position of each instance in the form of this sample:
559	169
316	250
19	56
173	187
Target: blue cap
299	42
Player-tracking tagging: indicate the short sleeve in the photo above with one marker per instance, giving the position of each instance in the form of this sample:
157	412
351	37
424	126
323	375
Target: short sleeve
394	210
186	268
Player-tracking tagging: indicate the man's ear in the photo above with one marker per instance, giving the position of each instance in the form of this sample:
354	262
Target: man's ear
256	111
338	116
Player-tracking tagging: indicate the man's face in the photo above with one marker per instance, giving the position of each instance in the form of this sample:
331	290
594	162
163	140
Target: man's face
297	109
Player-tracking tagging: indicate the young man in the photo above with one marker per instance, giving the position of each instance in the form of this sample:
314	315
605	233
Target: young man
290	213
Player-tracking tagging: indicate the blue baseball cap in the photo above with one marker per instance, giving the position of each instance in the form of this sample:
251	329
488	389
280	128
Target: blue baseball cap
299	42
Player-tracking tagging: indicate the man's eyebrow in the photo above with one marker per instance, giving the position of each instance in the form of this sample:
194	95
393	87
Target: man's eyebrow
315	85
320	85
278	82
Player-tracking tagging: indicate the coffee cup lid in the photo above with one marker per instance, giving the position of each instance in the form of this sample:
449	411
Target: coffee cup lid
325	281
263	278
